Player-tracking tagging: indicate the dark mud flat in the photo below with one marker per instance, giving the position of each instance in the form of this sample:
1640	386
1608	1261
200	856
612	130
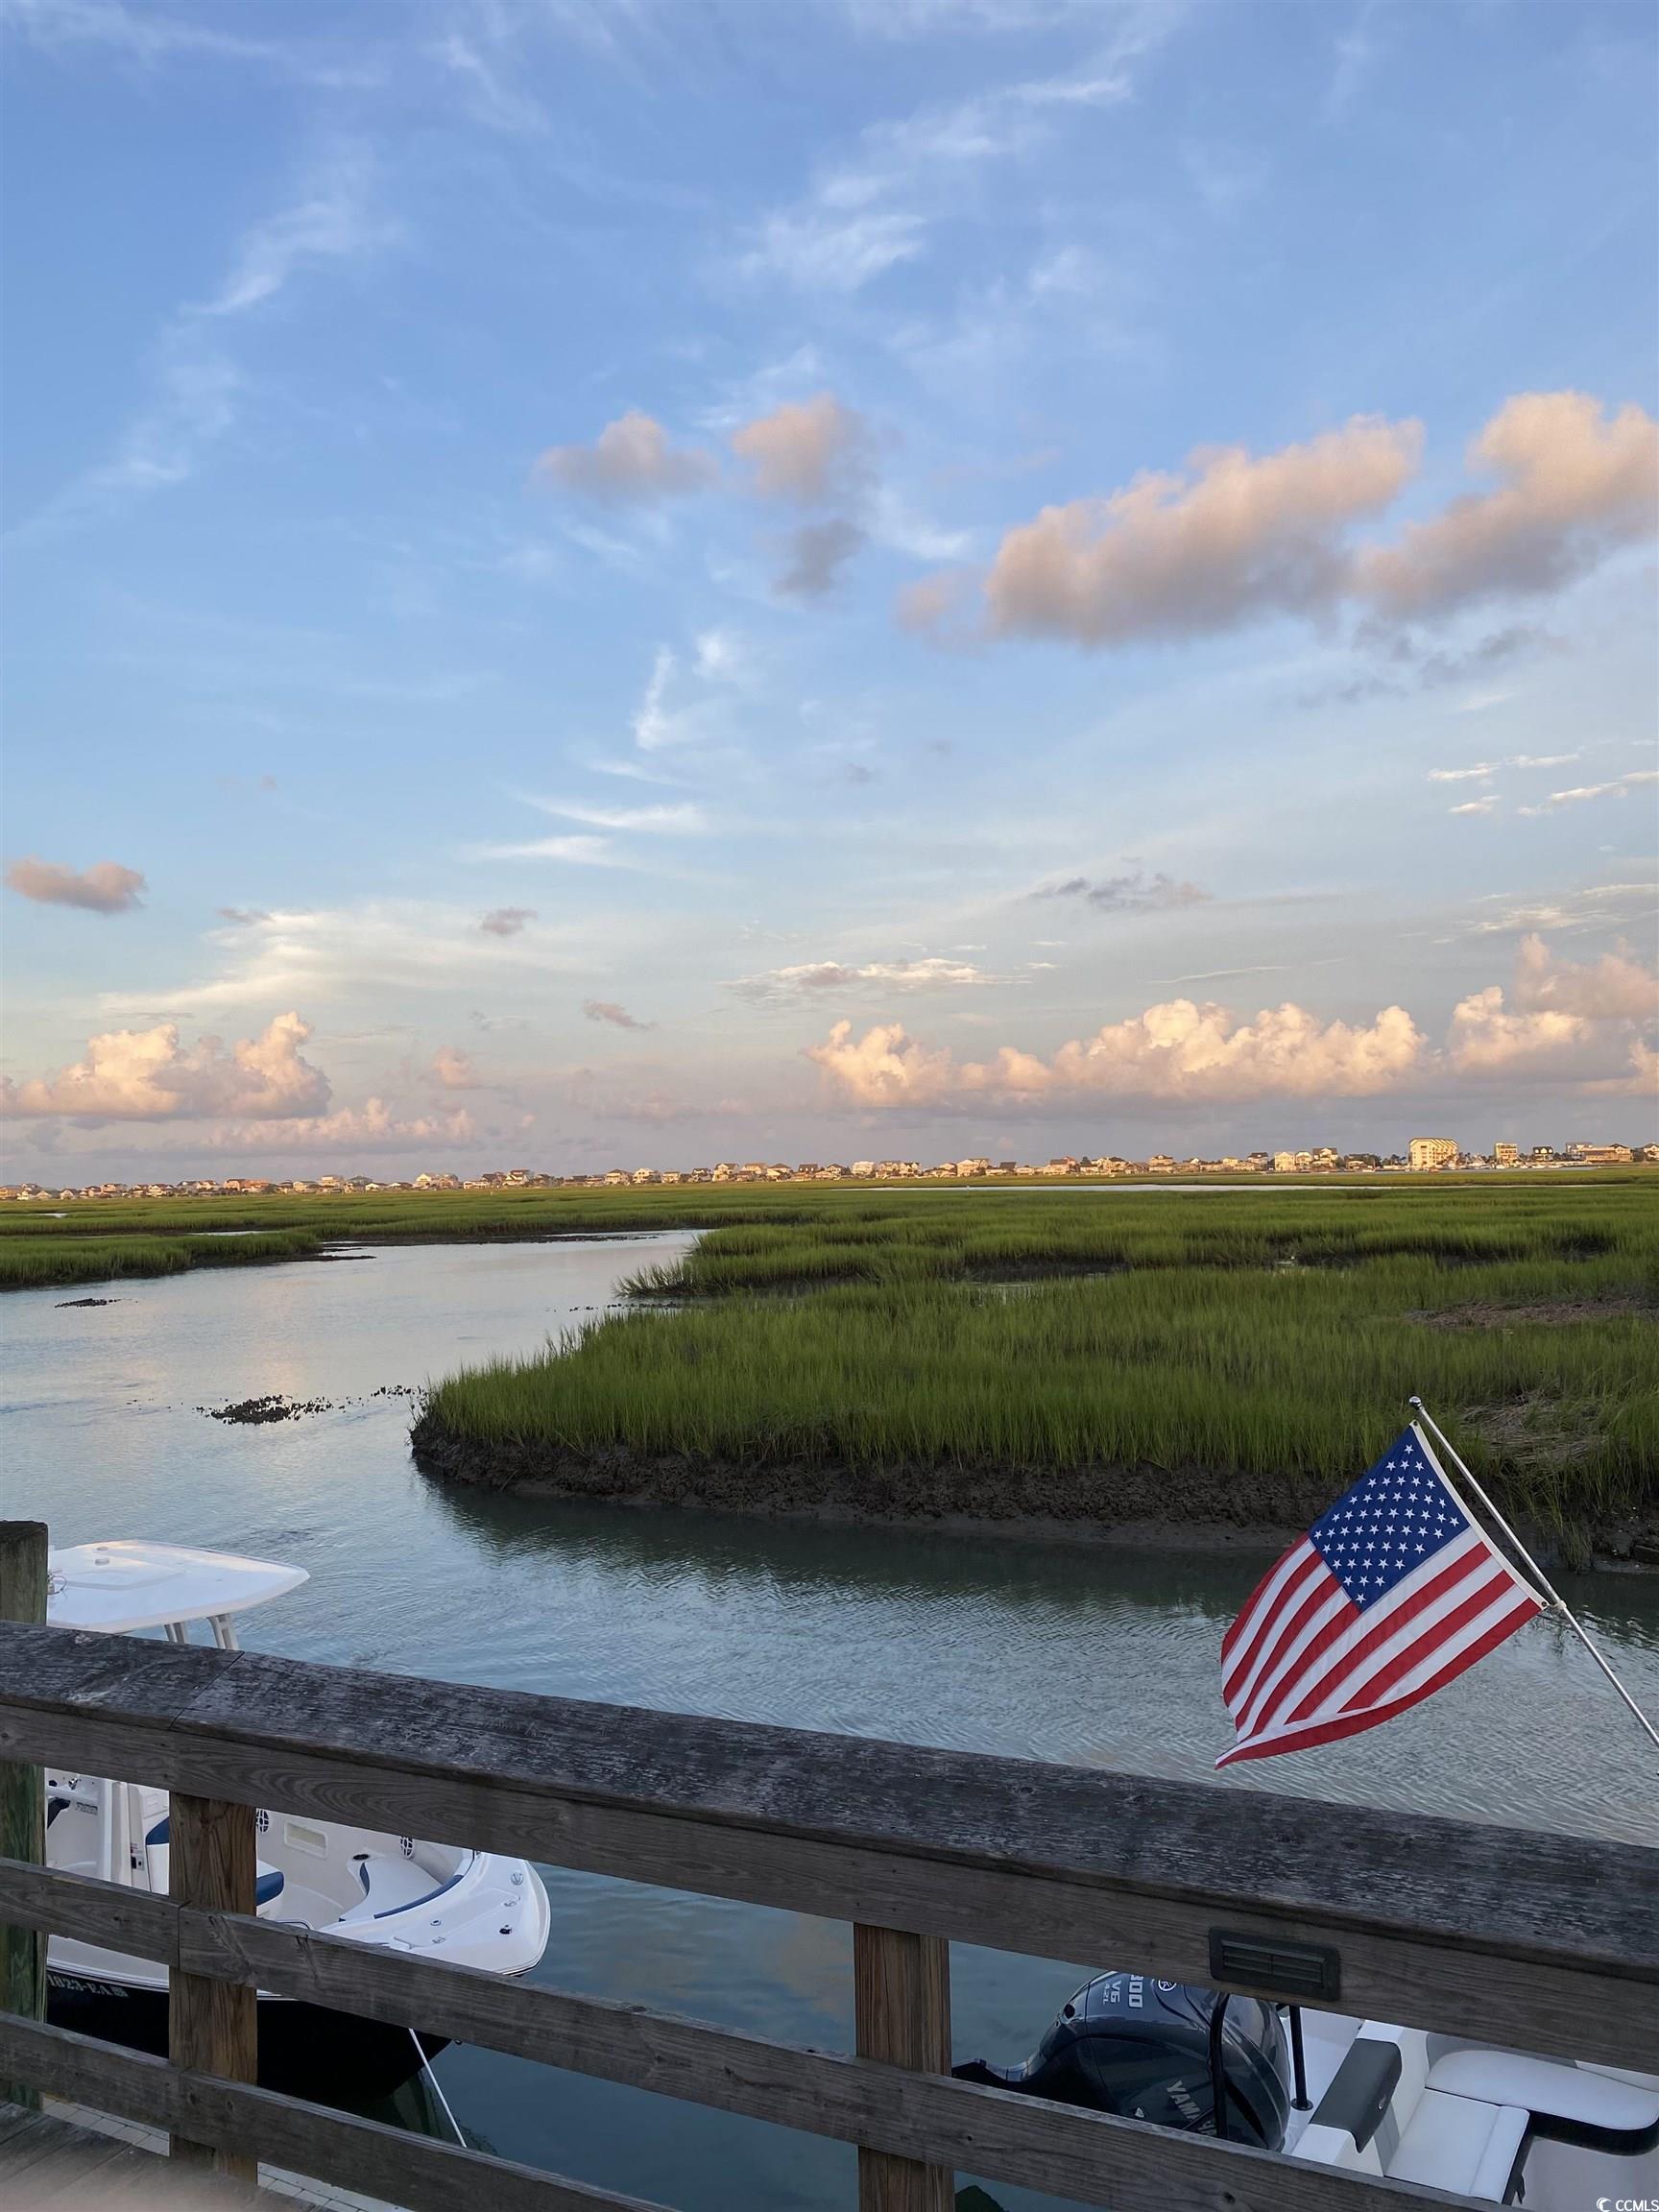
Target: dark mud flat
1121	1504
1187	1505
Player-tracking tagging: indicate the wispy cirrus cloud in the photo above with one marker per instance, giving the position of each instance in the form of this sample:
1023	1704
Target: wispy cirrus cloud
877	210
198	385
821	978
1619	787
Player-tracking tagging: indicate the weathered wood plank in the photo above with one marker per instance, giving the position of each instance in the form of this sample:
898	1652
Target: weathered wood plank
212	2026
92	1912
911	2115
902	2016
22	1791
1440	1923
385	2163
1147	2168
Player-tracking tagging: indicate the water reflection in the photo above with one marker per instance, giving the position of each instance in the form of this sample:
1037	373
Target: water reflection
1070	1650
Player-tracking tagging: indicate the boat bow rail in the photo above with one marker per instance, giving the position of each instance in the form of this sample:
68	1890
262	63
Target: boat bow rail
1509	1937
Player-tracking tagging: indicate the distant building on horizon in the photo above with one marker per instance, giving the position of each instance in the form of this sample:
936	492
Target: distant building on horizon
1428	1152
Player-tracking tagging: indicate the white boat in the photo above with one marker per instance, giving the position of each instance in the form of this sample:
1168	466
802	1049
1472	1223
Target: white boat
439	1900
1499	2125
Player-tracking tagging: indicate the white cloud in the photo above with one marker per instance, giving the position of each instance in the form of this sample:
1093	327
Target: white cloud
1178	1050
813	978
1578	1025
452	1068
1616	988
376	951
577	852
103	888
877	209
149	1075
1620	787
683	820
632	459
1487	806
197	385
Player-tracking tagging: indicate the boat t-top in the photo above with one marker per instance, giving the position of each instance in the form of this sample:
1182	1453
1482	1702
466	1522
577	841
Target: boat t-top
470	1908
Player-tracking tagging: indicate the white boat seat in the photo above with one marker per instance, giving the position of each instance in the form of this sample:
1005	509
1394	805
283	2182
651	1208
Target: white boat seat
1593	2108
391	1885
1462	2144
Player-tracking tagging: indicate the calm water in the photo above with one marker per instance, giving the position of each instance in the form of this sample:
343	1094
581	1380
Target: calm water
1081	1653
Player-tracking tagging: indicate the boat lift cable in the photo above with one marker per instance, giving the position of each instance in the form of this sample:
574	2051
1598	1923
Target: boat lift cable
437	2086
1557	1603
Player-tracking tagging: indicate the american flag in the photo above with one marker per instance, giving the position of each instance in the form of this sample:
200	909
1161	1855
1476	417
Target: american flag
1392	1593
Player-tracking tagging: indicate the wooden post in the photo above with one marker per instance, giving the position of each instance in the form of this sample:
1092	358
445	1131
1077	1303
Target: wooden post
212	2026
902	2013
22	1796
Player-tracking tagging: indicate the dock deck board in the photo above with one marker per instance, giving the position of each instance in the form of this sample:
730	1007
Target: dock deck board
68	2159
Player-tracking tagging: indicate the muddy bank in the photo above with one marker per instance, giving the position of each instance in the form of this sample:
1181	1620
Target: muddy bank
1118	1504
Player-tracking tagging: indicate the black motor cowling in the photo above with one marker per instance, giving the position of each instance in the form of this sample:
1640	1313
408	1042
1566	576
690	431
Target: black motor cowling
1140	2048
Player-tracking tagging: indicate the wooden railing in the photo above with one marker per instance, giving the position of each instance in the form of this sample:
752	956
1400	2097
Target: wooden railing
1547	1942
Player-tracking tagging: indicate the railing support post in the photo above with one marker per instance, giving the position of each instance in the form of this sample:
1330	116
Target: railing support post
213	2027
22	1796
902	2013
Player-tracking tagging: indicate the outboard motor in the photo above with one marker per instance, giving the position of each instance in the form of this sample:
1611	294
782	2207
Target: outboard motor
1140	2048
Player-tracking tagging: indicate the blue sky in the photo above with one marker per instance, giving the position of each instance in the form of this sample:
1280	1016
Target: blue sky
614	584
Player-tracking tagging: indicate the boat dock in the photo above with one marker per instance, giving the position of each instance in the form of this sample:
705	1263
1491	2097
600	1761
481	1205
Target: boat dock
1514	1939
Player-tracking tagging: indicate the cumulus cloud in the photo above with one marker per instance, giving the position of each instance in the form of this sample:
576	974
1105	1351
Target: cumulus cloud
817	553
453	1069
506	920
1573	484
608	1010
1177	1050
808	450
1134	893
1487	1039
1234	539
103	888
813	978
1487	806
372	1127
1582	1024
1616	988
1239	537
150	1076
630	459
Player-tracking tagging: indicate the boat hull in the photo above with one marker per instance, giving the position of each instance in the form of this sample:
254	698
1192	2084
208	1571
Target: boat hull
304	2050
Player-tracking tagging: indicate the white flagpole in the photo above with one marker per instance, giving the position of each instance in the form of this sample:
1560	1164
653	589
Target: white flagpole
1557	1603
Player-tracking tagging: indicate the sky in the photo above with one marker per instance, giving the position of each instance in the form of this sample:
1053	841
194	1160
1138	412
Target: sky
617	585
